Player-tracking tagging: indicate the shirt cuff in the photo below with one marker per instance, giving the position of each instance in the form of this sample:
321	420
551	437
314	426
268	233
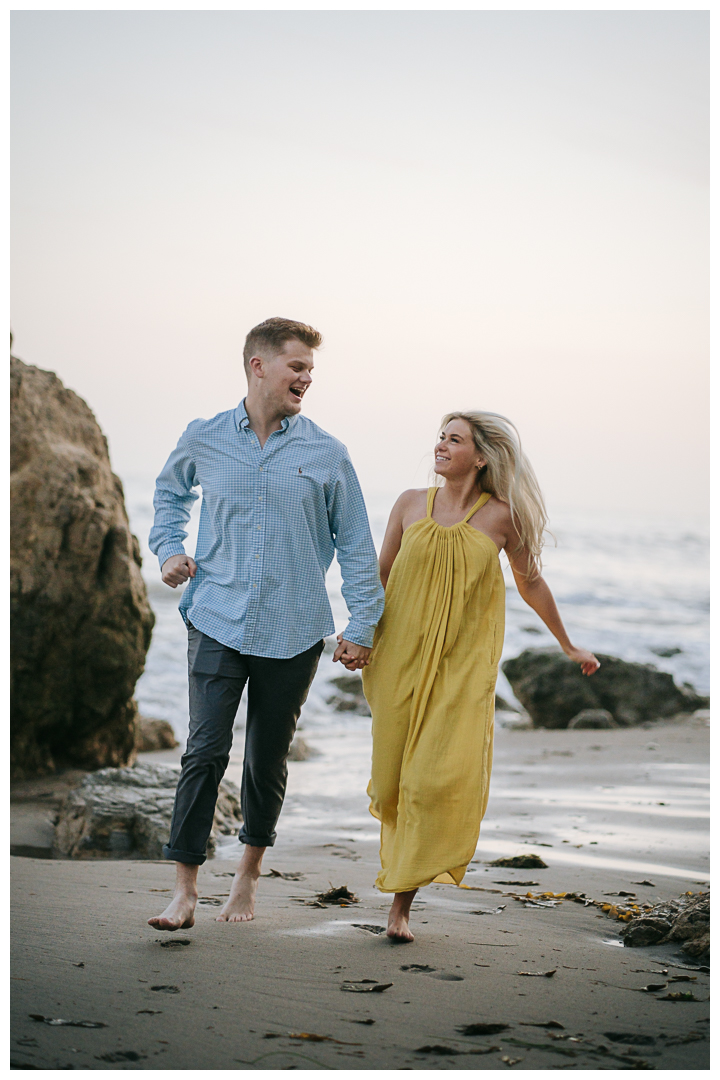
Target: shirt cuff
359	634
165	551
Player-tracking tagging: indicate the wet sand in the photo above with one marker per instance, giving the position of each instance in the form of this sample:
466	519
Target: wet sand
233	996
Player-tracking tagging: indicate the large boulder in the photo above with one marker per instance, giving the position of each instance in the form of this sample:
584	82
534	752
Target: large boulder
554	691
125	814
80	617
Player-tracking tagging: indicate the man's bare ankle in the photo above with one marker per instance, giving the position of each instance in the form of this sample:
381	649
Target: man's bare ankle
247	874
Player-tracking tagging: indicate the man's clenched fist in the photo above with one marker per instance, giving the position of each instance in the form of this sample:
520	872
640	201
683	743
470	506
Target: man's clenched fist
177	569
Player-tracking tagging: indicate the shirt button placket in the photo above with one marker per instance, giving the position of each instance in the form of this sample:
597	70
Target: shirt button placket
261	524
255	599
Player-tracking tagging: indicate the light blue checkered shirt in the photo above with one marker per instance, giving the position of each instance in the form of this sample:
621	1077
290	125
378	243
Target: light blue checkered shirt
270	523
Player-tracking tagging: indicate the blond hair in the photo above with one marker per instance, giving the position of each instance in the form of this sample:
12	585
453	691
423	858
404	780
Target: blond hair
508	476
272	335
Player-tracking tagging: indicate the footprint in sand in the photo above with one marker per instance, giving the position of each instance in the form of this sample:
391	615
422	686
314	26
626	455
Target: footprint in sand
425	969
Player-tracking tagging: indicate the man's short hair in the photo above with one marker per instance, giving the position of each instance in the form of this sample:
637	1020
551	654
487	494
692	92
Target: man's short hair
271	335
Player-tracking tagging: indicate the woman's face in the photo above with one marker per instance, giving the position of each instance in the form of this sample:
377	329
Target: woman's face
455	453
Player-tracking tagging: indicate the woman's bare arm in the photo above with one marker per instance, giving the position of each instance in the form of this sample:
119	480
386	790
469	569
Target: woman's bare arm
393	535
536	594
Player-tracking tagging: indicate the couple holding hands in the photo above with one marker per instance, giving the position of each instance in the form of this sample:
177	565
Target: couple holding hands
280	499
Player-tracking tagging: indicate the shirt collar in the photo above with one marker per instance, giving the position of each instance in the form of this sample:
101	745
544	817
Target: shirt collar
242	420
241	416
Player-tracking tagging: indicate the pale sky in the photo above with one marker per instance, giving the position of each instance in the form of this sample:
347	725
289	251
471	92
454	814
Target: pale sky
495	210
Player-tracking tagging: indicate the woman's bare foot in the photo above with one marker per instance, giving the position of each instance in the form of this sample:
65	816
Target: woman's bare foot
180	912
240	905
399	918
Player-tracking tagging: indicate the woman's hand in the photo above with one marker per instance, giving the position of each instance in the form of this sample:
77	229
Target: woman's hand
588	663
350	655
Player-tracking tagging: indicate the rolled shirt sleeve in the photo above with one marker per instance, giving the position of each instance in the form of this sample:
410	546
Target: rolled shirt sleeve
361	587
173	502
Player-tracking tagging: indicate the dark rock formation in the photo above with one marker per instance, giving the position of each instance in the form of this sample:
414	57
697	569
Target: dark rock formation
351	697
594	719
154	735
554	690
125	814
685	919
80	618
301	751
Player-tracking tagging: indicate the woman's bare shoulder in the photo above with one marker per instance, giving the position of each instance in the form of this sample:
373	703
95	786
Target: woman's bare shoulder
498	505
410	506
411	497
500	510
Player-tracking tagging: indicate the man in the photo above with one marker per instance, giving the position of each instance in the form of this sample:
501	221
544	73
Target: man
280	498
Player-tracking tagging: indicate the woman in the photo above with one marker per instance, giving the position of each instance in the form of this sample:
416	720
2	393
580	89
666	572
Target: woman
431	680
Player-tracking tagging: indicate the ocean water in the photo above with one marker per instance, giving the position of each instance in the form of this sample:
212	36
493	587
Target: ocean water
624	586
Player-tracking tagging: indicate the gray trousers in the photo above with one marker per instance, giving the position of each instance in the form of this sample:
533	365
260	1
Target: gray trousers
277	690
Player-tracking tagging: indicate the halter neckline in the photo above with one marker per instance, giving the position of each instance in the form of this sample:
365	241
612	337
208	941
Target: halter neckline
432	492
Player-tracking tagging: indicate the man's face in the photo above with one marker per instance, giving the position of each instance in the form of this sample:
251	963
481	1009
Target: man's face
286	376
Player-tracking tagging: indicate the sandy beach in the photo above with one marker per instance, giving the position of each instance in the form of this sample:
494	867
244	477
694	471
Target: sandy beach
604	809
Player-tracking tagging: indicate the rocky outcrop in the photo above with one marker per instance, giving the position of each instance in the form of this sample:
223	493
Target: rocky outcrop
125	814
685	919
554	690
301	751
350	697
593	719
80	618
154	735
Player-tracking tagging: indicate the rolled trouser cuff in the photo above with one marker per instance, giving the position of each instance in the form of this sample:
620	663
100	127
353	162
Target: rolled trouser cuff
189	857
257	841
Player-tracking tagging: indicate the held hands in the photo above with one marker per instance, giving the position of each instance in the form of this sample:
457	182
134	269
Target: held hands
350	655
588	663
177	569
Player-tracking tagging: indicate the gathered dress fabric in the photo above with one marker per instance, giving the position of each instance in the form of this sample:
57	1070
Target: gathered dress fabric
431	689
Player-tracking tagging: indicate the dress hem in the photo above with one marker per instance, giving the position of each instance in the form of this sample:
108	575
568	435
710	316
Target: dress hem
435	879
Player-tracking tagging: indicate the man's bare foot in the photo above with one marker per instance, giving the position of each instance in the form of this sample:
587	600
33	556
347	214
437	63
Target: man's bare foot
180	912
178	915
399	918
240	905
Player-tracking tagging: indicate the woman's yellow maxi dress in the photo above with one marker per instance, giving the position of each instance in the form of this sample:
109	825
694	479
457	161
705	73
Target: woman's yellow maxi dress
431	689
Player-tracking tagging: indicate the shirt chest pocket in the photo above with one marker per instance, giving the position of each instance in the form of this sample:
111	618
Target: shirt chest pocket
300	488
